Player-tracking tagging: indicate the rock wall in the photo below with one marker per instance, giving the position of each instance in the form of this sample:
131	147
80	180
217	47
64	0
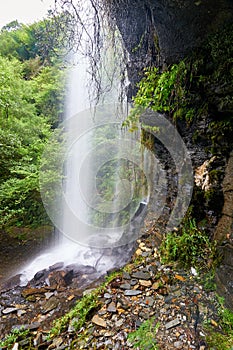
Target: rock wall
224	234
161	32
164	31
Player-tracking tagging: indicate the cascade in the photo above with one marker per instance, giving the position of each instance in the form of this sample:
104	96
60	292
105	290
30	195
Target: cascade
104	178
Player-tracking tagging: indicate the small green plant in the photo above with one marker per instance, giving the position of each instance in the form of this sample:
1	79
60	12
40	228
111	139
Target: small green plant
208	281
221	338
14	336
144	337
189	247
82	310
226	316
80	313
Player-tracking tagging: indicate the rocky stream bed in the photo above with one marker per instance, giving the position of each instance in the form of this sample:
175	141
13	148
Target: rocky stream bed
144	289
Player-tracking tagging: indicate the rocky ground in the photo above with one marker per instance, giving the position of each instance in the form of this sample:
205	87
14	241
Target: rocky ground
172	301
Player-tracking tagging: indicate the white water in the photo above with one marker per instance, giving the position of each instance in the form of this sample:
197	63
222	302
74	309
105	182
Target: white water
72	246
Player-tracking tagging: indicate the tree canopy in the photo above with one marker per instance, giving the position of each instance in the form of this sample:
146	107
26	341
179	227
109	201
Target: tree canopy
32	82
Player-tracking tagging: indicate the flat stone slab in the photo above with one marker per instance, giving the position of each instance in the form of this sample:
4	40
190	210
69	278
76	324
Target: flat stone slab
132	292
141	275
172	323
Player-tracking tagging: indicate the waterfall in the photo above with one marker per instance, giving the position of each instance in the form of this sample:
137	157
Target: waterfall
102	179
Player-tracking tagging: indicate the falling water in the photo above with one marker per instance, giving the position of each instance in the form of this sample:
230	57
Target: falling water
105	181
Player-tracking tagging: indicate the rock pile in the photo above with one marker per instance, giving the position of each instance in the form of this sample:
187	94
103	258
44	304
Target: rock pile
145	290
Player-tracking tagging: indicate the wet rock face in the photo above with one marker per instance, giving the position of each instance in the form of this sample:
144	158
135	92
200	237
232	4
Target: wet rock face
164	31
224	234
224	229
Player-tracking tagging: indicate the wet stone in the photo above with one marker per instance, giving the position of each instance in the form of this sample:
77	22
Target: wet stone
132	292
31	291
49	305
39	275
133	282
107	296
172	323
126	275
56	266
32	326
141	275
9	310
125	286
111	307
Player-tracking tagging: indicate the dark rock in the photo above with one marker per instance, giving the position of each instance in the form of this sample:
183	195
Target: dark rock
31	326
126	275
49	305
60	278
125	286
24	342
79	270
133	281
11	283
31	291
68	277
39	275
141	275
160	31
57	266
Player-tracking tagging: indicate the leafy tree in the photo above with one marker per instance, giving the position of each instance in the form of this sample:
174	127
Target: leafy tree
28	109
49	98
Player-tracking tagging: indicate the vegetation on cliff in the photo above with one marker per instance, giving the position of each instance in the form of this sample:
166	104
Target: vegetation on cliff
200	85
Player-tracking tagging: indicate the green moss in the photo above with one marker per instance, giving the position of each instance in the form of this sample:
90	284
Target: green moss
83	309
220	336
189	247
14	336
200	85
145	336
215	175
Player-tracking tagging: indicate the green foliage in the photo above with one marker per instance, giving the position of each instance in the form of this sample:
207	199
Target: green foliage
49	99
208	280
226	316
31	105
144	337
14	93
29	42
221	338
81	311
14	336
190	248
78	315
163	92
199	85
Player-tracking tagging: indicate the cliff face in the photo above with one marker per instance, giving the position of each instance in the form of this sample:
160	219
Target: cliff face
164	31
160	33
